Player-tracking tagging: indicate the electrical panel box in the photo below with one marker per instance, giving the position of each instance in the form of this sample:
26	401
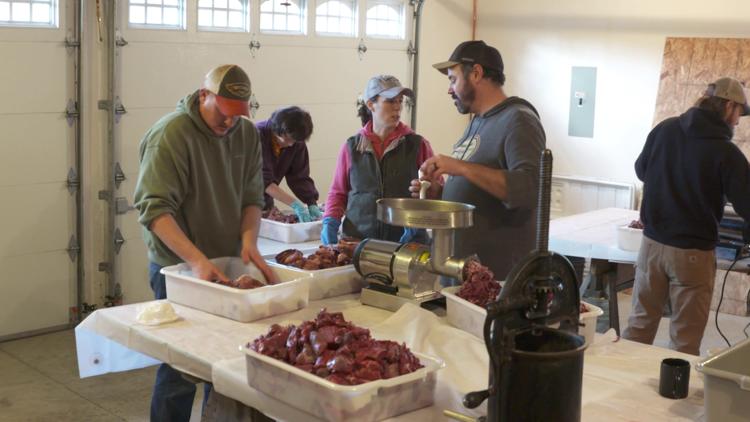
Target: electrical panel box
582	102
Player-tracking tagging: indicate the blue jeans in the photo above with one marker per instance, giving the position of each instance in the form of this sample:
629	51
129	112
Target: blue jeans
173	395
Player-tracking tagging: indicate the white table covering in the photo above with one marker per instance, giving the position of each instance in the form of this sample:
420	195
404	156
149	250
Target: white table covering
592	234
620	378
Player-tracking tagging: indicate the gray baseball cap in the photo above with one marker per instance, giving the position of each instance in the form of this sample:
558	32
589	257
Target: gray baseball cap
729	89
386	86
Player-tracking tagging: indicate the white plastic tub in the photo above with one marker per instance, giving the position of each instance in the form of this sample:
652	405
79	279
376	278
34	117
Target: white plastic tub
328	282
237	304
290	233
726	384
629	239
370	401
469	317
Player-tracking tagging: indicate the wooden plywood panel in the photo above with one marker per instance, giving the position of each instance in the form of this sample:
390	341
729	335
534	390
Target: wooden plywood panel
701	64
726	59
690	64
677	56
742	131
743	62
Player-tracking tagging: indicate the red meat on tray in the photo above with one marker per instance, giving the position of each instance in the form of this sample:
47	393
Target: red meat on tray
337	350
324	257
245	282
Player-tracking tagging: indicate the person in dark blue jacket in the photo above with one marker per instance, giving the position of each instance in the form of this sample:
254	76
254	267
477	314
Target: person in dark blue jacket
690	168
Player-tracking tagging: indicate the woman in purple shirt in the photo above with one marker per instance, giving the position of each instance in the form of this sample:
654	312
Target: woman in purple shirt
284	139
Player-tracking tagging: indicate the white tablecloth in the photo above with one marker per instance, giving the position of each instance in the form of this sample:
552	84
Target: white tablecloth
592	234
620	378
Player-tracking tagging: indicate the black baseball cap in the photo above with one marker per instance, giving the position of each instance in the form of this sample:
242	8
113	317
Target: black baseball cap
473	52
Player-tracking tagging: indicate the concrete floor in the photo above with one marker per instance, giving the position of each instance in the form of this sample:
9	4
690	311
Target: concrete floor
40	377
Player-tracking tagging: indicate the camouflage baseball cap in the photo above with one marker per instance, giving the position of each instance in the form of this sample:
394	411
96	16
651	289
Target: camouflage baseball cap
729	89
232	88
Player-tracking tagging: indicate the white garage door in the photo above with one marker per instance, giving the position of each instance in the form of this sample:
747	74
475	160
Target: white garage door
322	73
37	278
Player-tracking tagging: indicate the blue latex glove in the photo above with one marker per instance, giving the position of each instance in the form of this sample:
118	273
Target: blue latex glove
315	213
408	235
330	233
301	210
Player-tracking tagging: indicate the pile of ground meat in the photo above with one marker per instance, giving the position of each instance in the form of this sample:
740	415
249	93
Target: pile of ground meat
324	257
636	224
245	281
479	286
274	214
337	350
583	309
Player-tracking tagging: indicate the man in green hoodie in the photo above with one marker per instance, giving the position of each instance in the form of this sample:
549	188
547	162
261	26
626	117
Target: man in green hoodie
494	166
199	195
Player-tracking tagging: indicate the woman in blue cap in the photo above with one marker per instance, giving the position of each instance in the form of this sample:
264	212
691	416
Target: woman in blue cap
378	162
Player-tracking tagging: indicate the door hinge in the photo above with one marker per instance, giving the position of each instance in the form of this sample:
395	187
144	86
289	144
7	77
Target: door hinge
104	267
122	206
73	249
71	112
119	39
254	46
361	49
118	241
119	175
71	42
254	105
72	181
411	51
107	105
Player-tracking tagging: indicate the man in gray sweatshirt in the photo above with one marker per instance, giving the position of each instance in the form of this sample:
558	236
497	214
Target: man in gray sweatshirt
495	164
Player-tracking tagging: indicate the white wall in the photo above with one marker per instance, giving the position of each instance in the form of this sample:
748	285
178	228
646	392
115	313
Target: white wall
540	40
445	23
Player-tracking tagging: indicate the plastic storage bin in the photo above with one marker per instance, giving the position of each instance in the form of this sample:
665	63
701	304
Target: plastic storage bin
324	283
237	304
469	317
290	233
370	401
726	383
629	239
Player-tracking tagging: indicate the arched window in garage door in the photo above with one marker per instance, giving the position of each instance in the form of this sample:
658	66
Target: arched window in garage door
283	16
336	17
28	13
385	19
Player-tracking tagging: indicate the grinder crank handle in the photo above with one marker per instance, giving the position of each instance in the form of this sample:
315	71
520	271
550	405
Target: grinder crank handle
475	398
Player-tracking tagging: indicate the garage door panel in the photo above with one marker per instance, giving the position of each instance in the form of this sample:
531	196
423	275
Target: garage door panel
35	292
35	219
285	75
28	88
152	86
133	272
33	149
131	129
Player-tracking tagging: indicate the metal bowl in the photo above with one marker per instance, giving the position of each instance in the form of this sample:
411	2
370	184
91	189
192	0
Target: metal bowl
425	213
